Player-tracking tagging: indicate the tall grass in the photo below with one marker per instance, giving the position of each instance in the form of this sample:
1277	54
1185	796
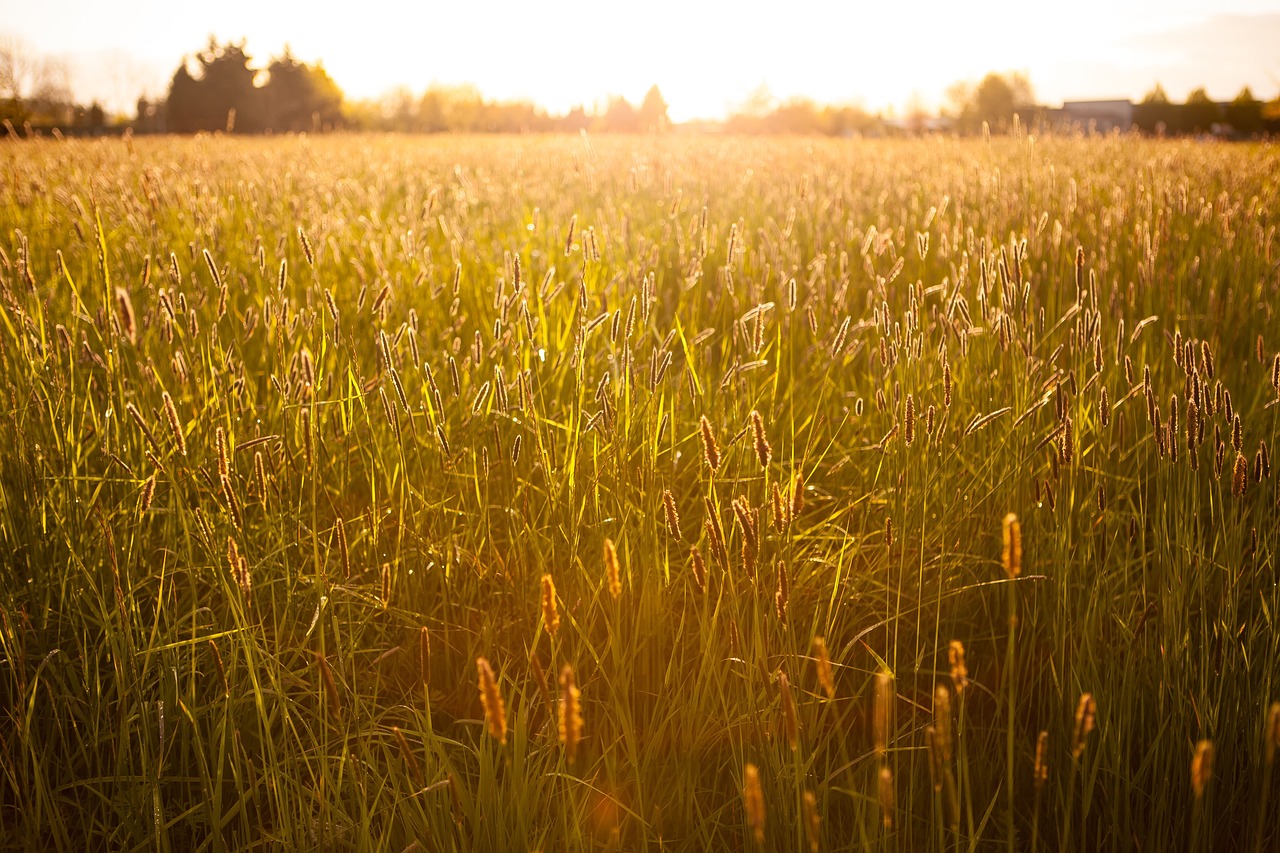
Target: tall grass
489	494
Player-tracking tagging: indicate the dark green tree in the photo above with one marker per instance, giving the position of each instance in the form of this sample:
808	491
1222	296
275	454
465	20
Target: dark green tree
1154	114
223	96
1245	112
1200	113
299	97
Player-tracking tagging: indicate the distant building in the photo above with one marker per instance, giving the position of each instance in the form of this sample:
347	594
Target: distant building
1096	116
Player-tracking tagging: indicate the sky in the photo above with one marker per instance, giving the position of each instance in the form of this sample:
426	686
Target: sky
707	57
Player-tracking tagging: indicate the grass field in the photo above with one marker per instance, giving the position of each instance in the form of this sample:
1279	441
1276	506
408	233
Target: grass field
652	493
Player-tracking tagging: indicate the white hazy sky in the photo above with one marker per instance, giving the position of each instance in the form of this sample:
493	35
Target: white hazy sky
705	56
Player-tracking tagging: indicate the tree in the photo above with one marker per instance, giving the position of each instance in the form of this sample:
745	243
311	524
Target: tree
182	108
620	116
653	111
993	102
298	97
1200	113
223	96
19	66
1245	112
1154	113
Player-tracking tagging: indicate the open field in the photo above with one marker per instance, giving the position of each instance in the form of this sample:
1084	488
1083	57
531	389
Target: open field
302	436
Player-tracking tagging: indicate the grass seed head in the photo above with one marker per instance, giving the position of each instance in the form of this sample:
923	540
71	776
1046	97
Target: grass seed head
699	568
612	569
570	713
753	801
822	660
710	449
495	710
812	822
1012	555
882	716
1201	768
959	671
790	720
1240	476
886	793
175	425
669	513
942	721
1086	714
764	452
550	613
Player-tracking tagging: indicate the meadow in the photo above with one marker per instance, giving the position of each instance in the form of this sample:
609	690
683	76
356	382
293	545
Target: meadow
578	493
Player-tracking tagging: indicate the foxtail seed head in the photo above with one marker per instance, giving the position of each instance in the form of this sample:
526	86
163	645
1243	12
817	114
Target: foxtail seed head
942	721
959	672
1201	768
1086	712
175	426
611	568
886	797
882	718
495	710
764	452
790	720
1012	556
699	568
812	821
753	801
822	659
550	613
570	713
669	512
710	449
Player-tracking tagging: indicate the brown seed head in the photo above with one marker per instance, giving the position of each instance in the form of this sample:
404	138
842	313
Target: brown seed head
699	568
128	322
550	613
823	662
782	596
1201	767
886	797
959	672
797	497
1240	476
753	801
1012	555
495	710
790	720
763	451
612	570
710	449
1086	712
669	511
570	715
882	717
812	822
175	426
942	721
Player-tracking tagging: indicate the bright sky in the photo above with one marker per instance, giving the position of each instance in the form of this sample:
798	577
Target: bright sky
707	56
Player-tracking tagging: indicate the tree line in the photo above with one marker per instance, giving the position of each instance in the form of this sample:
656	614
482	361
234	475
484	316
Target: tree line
220	89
